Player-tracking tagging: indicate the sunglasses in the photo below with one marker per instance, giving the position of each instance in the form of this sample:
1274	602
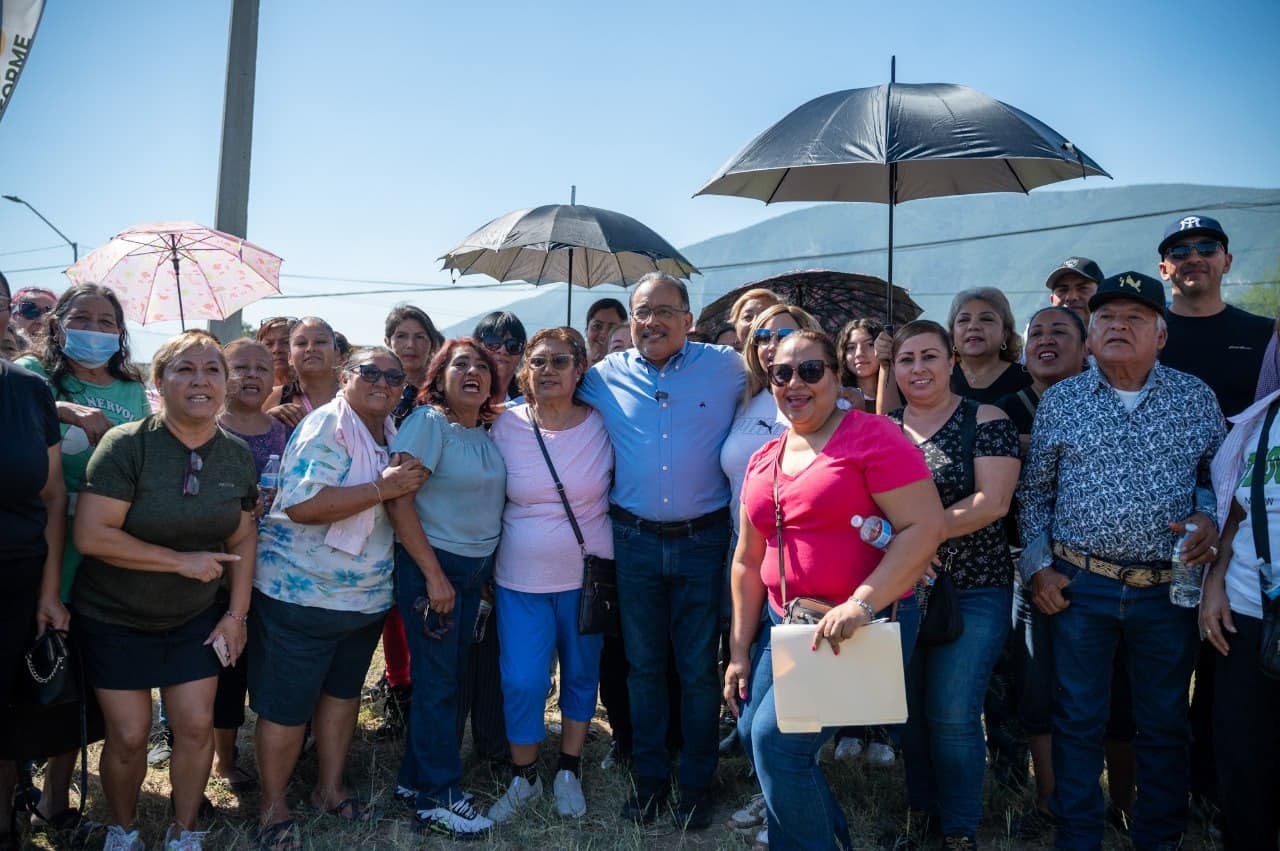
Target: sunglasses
434	625
278	320
557	362
497	344
810	372
370	373
31	310
1204	249
764	336
190	483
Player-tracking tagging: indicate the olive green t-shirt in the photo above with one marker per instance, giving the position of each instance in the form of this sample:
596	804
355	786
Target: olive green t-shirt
143	464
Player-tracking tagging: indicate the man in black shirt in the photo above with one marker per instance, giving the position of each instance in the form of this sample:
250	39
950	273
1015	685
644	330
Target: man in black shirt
1218	343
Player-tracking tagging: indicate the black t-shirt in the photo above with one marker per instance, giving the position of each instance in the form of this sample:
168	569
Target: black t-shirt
29	425
1015	405
1013	379
1224	351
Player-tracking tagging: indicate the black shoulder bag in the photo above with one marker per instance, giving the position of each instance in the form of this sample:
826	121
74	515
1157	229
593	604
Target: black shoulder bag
942	622
1269	651
598	606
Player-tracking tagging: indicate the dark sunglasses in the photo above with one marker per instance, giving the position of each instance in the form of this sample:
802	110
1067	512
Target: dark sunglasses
763	336
190	483
557	362
278	320
370	373
496	344
810	372
1205	249
434	624
31	310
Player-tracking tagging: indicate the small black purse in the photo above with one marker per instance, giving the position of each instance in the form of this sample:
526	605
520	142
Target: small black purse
49	679
942	621
598	606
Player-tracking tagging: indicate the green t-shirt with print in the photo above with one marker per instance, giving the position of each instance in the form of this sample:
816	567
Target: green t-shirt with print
143	464
120	402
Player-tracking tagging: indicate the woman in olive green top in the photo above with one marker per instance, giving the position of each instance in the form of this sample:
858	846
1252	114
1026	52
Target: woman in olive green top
166	508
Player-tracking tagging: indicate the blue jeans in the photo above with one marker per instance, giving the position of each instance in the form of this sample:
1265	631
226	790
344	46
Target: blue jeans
432	763
1160	641
802	812
943	747
669	596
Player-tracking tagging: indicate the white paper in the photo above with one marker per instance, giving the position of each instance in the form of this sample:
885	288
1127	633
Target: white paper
863	685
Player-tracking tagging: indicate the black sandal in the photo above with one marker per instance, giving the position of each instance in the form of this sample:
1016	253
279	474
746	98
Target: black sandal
351	810
281	836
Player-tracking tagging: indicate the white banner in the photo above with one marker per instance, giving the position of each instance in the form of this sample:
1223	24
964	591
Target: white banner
18	22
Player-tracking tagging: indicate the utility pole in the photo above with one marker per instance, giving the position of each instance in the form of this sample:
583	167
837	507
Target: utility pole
232	212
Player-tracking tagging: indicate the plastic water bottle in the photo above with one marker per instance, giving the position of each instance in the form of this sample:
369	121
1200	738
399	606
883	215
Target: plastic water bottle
269	483
1184	590
482	620
876	531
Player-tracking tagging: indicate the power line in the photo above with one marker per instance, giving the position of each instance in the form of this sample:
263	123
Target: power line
31	250
37	268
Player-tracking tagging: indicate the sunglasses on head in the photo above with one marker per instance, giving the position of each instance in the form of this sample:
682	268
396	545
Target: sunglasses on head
190	482
810	372
557	362
370	373
434	625
278	320
1207	248
763	336
31	310
496	344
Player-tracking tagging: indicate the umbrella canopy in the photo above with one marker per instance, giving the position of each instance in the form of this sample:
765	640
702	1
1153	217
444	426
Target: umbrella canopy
832	297
180	270
584	246
943	139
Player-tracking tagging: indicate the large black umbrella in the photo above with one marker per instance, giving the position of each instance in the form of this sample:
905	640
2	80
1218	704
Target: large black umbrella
899	142
832	297
584	246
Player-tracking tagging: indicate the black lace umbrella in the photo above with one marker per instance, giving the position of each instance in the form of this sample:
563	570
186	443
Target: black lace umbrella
832	297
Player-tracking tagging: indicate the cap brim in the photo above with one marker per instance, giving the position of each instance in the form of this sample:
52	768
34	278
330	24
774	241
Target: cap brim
1100	299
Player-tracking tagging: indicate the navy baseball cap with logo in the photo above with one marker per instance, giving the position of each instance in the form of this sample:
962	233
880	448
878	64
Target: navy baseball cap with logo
1134	286
1192	226
1082	266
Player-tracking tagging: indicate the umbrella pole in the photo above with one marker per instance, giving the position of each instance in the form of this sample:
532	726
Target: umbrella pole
568	319
893	186
177	281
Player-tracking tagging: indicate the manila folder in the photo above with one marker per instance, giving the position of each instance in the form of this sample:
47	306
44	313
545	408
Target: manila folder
863	685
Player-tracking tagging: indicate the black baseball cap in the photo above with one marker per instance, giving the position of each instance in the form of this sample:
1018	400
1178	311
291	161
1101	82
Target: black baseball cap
1191	226
1134	286
1082	266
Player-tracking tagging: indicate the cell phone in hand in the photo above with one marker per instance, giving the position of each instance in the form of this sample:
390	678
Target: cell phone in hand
220	649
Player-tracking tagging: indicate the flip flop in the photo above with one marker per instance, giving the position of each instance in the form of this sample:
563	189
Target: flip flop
248	781
281	836
351	810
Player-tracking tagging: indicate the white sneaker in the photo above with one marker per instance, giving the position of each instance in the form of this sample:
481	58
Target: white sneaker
186	840
762	838
750	815
568	791
118	839
460	821
880	755
848	749
518	794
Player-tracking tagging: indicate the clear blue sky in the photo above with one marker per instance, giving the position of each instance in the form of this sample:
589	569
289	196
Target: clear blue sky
385	132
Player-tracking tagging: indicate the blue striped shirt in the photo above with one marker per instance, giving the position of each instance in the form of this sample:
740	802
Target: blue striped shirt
667	426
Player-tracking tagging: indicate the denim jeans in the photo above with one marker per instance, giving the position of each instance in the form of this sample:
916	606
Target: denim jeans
669	596
802	812
432	763
1160	641
943	747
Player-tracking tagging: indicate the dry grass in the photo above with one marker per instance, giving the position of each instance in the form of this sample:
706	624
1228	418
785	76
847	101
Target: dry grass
872	800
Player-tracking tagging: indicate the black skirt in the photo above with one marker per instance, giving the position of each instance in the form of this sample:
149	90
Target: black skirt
127	659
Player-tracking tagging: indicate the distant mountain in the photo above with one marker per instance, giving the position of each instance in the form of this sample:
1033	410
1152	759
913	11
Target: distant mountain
944	245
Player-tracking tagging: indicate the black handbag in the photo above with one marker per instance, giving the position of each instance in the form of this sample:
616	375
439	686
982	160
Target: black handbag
1269	650
598	606
49	679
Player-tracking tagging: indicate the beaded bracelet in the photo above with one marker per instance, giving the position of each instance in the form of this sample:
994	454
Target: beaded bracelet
866	607
242	618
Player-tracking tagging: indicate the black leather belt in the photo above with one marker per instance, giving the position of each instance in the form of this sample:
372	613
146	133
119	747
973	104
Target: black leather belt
674	529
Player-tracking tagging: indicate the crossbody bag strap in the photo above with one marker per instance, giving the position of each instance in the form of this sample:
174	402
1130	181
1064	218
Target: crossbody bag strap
564	500
968	442
777	519
1258	504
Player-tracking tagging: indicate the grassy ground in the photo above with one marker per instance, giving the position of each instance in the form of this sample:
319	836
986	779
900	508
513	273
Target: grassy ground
872	799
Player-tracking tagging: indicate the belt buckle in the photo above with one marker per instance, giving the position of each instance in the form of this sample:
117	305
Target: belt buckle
1126	572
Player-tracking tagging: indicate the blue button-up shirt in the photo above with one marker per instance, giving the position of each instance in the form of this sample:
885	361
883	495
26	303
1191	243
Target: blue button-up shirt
667	426
1105	481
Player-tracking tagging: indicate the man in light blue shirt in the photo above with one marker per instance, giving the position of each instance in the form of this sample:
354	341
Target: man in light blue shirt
668	405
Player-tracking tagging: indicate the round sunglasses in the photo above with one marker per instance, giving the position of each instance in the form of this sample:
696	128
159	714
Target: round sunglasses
370	373
810	372
497	344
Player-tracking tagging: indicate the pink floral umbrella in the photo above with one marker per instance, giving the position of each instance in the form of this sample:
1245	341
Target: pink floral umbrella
180	270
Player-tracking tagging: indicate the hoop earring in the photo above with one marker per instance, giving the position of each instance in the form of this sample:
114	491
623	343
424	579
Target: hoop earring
1004	346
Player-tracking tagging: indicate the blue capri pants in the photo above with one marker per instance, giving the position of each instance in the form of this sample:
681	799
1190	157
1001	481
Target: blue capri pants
531	628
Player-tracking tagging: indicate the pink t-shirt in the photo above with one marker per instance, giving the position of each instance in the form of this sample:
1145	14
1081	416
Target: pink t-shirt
538	553
825	556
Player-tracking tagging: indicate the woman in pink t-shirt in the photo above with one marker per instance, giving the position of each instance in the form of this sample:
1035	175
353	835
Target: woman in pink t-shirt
830	465
539	565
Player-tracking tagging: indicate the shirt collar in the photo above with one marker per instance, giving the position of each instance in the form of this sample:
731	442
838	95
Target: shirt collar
674	360
1154	378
